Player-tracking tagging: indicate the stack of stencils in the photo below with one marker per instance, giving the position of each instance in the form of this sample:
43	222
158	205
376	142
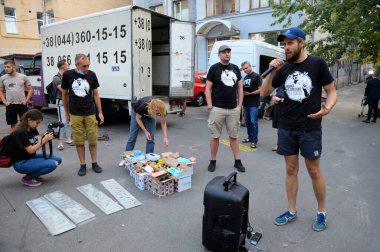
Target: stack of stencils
60	213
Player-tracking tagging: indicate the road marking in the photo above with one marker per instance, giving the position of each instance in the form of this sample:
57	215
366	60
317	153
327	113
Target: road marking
242	147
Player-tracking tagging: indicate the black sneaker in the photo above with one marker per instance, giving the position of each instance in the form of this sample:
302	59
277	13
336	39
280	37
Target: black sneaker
82	170
212	166
239	166
97	168
374	121
366	121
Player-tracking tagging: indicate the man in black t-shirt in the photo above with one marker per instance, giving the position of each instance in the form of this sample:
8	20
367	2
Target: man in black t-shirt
224	95
303	77
251	89
80	95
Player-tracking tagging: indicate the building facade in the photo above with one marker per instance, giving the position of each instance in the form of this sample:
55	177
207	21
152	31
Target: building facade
21	21
233	19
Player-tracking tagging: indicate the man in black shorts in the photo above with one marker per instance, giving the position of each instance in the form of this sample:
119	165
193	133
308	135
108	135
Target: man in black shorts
14	84
302	77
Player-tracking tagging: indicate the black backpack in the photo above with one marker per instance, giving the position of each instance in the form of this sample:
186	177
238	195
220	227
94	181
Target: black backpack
5	157
52	91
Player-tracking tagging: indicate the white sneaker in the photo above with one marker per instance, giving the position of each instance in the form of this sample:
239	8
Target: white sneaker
122	163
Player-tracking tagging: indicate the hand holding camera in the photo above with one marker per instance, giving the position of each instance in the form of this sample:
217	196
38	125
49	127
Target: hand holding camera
48	137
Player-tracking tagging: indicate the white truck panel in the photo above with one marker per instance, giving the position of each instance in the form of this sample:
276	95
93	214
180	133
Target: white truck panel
105	38
142	53
182	58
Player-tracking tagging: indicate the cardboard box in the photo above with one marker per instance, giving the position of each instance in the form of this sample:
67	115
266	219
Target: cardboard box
160	184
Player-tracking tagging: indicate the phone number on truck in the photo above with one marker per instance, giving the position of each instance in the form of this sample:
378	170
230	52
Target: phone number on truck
81	37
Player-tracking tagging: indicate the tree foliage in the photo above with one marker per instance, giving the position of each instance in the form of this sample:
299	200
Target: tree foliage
351	27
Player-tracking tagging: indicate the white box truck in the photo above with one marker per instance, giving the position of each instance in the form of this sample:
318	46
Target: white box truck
133	51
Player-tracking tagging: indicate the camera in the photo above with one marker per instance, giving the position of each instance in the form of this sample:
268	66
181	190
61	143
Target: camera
52	126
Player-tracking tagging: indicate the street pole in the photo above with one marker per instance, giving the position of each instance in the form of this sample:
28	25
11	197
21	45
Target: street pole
44	21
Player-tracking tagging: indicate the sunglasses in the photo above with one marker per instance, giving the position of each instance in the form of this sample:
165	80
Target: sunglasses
85	65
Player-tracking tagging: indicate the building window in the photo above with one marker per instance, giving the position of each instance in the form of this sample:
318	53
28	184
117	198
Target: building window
10	20
220	7
40	19
256	4
181	10
158	8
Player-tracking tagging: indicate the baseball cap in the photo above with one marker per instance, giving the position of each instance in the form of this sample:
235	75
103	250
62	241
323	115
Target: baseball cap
292	33
223	48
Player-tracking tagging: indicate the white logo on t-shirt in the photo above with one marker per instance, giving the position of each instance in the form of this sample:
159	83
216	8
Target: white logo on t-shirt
228	78
247	82
298	86
80	87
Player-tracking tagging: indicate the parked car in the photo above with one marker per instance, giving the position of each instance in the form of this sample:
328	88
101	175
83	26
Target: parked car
199	97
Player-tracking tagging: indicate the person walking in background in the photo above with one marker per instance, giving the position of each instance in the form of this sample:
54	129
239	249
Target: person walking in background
251	102
25	141
57	81
80	96
372	92
303	77
224	95
14	84
143	117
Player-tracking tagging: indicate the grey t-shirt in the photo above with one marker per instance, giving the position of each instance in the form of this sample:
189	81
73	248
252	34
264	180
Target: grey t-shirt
14	86
57	80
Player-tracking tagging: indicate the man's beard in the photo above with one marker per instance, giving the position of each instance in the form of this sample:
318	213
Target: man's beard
294	57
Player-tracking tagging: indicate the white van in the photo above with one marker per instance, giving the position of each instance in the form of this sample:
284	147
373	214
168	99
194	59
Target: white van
258	53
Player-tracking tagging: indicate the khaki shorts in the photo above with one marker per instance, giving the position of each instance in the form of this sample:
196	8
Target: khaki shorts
81	124
219	116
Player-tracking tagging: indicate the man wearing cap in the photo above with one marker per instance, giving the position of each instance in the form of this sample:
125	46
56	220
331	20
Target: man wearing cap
224	95
303	76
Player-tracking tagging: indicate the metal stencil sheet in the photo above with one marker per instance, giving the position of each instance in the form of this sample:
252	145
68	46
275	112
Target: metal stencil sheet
72	209
102	201
54	220
126	199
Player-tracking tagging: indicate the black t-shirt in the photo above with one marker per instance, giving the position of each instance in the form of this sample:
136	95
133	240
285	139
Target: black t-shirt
21	138
224	80
303	90
81	100
251	83
141	106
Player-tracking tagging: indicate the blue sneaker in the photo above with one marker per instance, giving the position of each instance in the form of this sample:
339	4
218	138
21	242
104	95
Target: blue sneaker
320	222
285	218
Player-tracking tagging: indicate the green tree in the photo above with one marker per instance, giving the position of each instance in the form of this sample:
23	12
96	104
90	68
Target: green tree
352	27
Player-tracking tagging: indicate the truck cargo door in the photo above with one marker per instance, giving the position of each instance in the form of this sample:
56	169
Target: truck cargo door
141	53
181	58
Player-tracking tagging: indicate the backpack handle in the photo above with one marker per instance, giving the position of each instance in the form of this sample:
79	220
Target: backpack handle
227	182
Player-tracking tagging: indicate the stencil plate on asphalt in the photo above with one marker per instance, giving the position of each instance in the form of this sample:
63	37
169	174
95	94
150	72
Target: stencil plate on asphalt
102	201
242	147
53	219
120	193
72	209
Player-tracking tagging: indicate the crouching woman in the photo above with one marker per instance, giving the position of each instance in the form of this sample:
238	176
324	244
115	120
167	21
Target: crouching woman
26	142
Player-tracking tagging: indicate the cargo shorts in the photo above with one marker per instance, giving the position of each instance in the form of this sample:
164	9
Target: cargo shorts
81	125
220	116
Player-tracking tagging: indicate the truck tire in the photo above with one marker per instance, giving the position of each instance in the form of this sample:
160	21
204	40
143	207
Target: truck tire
199	100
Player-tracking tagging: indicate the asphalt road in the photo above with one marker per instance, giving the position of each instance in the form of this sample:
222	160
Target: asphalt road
350	164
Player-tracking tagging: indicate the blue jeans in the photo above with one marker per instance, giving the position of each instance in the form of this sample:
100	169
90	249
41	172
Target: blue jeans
150	125
251	117
65	132
37	166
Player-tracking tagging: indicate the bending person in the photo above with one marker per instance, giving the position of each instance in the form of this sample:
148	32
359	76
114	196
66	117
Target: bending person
143	113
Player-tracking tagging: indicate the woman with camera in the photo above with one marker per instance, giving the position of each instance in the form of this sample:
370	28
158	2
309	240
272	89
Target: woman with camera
25	142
